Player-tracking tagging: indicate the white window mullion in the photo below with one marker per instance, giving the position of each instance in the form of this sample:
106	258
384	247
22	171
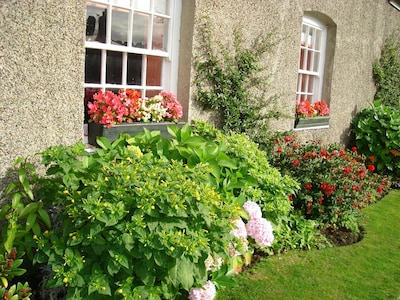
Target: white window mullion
103	67
124	67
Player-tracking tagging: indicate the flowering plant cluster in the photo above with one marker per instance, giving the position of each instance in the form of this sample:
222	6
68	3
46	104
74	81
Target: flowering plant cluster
336	183
128	106
306	109
207	292
257	228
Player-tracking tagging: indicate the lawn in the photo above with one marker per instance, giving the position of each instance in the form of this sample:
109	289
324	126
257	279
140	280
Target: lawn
369	269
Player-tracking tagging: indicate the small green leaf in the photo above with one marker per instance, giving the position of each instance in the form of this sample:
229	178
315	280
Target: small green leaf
30	221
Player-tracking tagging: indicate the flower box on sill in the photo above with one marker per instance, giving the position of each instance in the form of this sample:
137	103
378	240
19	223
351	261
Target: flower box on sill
97	130
311	122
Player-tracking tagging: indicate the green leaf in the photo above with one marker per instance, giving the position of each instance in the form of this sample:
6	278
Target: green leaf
185	273
4	210
31	207
30	221
103	143
43	215
11	187
227	163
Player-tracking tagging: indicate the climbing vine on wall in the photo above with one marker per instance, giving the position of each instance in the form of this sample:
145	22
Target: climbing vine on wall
232	81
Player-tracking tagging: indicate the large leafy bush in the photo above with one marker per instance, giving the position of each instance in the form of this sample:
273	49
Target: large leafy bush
335	183
377	133
142	217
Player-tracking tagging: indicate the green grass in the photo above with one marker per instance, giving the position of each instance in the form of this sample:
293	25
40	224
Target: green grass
369	269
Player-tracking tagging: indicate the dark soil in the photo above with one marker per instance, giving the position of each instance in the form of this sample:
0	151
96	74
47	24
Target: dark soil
342	236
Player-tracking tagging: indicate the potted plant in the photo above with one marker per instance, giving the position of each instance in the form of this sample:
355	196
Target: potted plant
127	112
311	114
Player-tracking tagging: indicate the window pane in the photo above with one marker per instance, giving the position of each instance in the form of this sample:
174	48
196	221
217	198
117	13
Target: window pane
140	28
160	33
114	67
154	68
119	26
160	6
93	66
134	72
142	5
152	93
126	3
96	22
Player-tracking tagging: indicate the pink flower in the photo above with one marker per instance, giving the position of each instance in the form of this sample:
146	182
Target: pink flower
207	292
261	231
253	209
240	229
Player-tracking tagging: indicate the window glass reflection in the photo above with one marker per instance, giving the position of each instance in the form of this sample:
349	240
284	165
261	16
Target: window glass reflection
93	66
96	22
114	67
160	6
134	72
154	70
160	33
119	26
125	3
139	30
142	5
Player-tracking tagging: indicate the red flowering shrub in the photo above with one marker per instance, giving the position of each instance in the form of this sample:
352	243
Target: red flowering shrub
336	184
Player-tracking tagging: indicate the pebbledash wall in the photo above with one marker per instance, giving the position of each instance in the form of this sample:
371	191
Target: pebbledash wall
42	63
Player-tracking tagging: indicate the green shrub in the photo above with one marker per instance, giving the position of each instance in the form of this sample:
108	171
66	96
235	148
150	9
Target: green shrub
296	232
377	133
387	74
132	225
267	186
335	183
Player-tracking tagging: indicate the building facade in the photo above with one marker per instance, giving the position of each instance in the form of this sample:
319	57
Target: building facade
52	51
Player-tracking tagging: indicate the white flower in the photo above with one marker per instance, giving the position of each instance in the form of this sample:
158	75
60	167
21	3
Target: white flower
213	263
253	209
208	292
261	231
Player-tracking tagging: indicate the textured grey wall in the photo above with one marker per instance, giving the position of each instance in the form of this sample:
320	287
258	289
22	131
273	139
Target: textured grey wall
361	27
41	76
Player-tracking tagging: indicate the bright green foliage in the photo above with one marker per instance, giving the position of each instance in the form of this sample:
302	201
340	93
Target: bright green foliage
377	134
226	81
24	216
133	225
296	232
387	74
269	188
335	183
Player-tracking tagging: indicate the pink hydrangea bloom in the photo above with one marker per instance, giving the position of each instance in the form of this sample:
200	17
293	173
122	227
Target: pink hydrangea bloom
261	231
253	209
240	229
208	292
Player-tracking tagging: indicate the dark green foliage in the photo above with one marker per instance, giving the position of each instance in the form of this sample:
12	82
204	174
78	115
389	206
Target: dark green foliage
377	134
231	82
387	74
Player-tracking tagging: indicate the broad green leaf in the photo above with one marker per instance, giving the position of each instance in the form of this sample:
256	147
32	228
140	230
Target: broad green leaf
227	163
103	143
185	273
44	217
11	187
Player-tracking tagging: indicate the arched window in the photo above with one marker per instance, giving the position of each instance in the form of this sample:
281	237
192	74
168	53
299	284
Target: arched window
132	44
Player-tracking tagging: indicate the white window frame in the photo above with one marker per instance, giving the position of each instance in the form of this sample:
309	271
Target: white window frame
311	24
169	77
